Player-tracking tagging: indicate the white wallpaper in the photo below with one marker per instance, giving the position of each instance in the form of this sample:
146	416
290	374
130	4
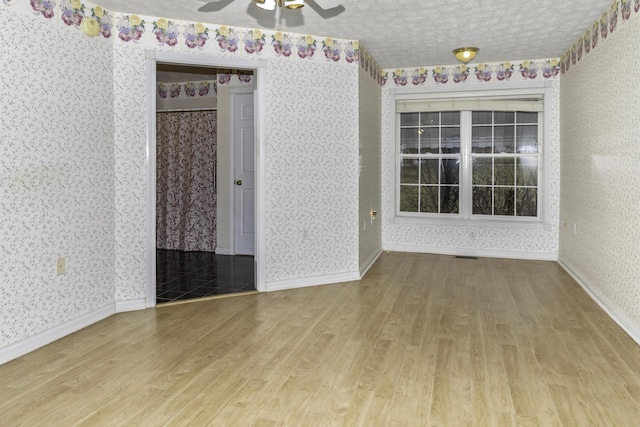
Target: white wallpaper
312	170
600	172
370	158
130	148
56	175
525	243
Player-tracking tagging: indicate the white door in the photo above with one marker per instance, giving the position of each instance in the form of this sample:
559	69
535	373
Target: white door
243	155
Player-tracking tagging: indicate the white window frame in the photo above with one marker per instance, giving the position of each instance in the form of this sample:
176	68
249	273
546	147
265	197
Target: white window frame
465	218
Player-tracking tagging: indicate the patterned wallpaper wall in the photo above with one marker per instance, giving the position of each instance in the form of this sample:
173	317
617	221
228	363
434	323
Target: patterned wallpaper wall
312	170
528	243
130	147
370	157
322	203
56	176
600	180
312	157
595	36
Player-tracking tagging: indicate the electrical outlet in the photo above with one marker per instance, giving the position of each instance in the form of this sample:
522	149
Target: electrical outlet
60	266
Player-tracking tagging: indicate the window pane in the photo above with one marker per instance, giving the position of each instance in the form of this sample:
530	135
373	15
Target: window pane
482	200
504	171
409	198
504	163
503	139
450	171
450	118
450	140
408	140
481	139
527	139
503	203
481	117
409	171
527	202
429	171
503	117
482	171
527	173
527	117
409	119
429	119
449	199
430	141
429	199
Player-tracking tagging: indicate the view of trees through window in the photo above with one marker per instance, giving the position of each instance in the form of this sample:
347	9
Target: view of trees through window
503	157
430	173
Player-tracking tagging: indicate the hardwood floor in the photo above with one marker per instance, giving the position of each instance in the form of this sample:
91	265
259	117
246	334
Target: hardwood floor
422	340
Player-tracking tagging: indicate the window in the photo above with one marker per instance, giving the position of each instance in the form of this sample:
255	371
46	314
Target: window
465	158
504	163
430	162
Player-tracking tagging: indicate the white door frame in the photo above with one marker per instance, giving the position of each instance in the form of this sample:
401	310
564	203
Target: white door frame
259	68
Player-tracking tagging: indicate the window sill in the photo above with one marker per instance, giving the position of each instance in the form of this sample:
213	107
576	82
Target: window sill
460	222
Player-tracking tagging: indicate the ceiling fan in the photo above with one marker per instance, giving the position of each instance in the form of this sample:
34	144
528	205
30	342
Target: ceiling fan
325	8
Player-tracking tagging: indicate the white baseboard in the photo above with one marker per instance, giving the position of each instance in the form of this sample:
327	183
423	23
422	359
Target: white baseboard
484	253
13	351
368	263
131	305
304	282
622	321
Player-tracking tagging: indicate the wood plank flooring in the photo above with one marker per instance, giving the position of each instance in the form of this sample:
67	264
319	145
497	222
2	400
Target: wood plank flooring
422	340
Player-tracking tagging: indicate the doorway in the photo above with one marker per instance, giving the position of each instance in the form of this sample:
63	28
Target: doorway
177	274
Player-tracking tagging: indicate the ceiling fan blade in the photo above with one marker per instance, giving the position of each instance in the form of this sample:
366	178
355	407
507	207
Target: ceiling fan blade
316	5
267	4
328	4
214	6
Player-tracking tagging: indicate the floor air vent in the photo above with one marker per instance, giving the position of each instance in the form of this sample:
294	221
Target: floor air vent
466	257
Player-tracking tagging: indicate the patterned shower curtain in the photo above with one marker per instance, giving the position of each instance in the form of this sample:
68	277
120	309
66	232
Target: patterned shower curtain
185	190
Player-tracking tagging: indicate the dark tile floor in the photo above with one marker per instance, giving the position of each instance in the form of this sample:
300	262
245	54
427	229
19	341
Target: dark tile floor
185	275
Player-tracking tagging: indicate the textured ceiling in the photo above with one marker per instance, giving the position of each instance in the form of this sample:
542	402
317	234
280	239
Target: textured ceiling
407	33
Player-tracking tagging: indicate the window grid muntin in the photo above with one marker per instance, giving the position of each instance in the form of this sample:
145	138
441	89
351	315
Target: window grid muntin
515	155
425	122
466	156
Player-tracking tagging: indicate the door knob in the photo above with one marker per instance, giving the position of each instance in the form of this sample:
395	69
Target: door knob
238	182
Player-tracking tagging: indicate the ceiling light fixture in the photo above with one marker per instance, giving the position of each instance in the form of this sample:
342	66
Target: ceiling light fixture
465	54
271	4
293	4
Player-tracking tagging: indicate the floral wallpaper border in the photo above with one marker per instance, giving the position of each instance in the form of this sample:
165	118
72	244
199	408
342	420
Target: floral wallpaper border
197	36
479	73
186	90
71	13
154	32
199	89
600	30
